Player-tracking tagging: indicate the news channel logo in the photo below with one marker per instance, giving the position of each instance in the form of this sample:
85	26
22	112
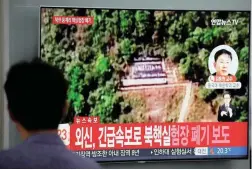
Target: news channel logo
222	22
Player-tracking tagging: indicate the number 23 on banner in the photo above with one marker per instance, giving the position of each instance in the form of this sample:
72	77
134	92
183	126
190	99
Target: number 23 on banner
64	133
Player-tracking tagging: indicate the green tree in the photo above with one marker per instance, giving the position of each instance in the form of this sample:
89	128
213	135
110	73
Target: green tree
75	96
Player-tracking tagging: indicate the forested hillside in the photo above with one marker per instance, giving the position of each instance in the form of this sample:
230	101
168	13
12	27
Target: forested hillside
94	57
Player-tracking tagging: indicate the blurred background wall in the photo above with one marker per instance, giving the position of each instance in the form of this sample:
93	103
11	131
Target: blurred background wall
19	38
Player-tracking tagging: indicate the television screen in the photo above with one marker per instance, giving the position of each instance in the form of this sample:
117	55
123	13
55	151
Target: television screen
151	84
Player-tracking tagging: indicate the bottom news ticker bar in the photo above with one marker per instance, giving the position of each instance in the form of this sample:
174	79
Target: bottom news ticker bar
170	153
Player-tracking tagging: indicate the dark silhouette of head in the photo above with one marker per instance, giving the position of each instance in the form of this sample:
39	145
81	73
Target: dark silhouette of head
36	94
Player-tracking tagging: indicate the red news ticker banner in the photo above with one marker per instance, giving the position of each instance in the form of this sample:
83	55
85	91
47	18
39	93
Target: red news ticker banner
73	20
96	136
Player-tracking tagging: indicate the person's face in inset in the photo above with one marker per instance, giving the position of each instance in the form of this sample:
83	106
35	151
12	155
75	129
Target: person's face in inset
222	64
227	99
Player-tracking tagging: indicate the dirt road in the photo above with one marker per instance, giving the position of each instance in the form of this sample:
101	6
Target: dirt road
186	102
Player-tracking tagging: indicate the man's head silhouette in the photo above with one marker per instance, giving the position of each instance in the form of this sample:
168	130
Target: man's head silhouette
36	94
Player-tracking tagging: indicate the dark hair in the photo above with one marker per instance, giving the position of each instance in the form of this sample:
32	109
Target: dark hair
36	94
220	52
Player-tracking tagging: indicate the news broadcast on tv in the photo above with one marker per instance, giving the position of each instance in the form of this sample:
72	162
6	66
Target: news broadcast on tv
151	84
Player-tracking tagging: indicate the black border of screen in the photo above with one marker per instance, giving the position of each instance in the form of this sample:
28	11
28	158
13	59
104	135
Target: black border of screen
248	156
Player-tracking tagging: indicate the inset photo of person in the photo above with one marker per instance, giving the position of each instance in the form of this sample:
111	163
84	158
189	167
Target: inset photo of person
227	112
223	61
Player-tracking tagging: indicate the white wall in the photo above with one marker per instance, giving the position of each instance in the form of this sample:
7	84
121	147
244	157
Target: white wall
4	64
1	56
21	34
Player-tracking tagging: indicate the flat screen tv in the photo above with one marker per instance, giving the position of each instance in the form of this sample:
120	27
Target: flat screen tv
151	84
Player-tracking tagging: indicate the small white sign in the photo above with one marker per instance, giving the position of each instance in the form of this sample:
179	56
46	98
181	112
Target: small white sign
200	151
